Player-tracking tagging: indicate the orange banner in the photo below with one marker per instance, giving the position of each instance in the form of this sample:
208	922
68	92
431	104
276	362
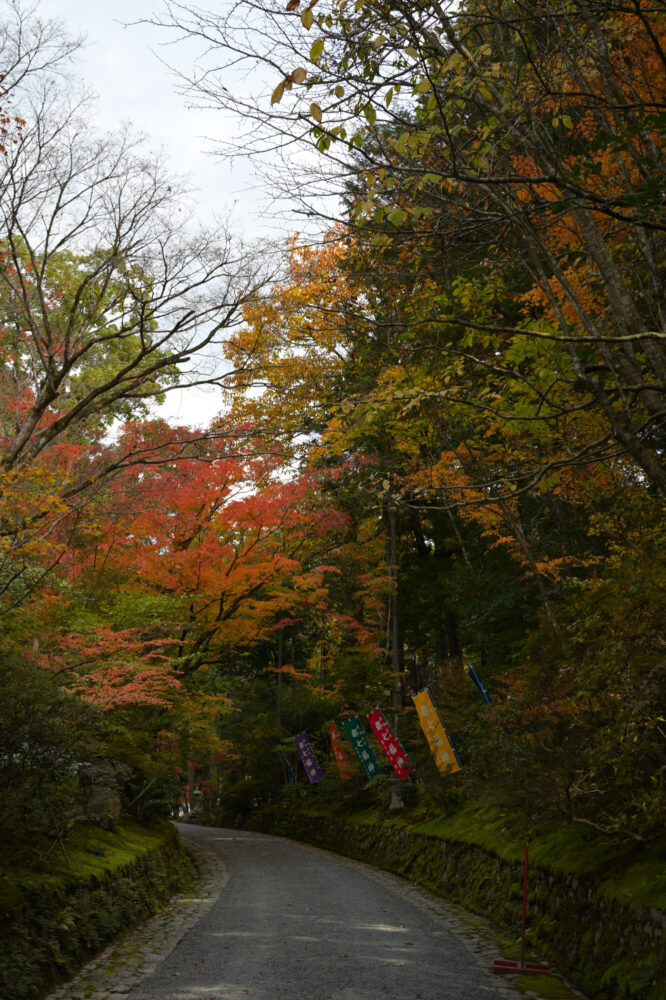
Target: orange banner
340	754
435	733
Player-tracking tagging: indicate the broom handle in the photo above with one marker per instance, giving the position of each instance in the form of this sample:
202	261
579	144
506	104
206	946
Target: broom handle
522	937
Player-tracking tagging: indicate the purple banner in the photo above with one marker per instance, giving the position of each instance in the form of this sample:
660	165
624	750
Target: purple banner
308	759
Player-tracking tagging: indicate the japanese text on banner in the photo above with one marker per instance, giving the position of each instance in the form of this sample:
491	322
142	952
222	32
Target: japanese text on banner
390	744
362	749
340	754
435	733
308	759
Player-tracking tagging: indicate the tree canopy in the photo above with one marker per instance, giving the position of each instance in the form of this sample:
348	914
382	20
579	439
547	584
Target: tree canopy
440	443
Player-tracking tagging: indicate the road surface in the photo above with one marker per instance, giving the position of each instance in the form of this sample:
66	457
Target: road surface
296	923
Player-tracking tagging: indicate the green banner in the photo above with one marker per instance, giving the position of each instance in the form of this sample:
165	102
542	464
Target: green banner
362	748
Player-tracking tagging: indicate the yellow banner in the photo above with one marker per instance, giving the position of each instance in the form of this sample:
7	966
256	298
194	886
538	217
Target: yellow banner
435	733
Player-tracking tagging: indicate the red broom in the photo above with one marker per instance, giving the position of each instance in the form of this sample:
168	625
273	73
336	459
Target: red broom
523	968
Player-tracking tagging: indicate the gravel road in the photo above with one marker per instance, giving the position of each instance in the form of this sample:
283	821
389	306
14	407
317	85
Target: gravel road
294	923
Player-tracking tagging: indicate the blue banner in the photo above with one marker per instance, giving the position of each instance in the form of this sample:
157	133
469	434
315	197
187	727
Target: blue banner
291	777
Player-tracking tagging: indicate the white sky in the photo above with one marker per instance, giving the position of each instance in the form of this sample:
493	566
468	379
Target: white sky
121	65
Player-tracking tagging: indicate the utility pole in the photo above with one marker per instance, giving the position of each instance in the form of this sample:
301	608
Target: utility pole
392	561
279	676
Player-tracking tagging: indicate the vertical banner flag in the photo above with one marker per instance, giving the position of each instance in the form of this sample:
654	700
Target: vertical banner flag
340	754
390	744
435	733
306	753
291	777
473	676
362	748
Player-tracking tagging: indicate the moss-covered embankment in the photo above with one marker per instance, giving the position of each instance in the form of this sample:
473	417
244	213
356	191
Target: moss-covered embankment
596	909
55	916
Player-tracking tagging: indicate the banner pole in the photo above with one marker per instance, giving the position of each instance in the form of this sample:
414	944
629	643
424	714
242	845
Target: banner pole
522	933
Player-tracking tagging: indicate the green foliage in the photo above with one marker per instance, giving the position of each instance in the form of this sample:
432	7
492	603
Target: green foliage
591	742
44	735
58	913
85	298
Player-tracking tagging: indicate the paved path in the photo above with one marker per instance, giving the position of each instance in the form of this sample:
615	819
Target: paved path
277	920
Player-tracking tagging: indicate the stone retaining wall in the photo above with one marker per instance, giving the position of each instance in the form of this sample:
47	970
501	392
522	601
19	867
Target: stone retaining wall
53	926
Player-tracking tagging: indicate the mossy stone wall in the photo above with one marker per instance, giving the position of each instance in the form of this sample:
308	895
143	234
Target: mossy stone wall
49	926
611	951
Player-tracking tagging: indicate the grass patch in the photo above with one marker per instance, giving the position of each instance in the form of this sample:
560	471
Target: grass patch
544	987
484	824
572	850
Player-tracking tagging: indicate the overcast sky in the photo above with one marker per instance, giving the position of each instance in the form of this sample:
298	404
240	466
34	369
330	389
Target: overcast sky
122	66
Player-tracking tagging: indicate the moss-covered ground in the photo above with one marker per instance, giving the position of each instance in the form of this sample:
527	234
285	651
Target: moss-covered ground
631	872
70	901
88	852
636	870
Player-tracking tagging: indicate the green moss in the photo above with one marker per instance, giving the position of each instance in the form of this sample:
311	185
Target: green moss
483	824
642	883
59	913
546	987
92	851
638	872
568	849
368	817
